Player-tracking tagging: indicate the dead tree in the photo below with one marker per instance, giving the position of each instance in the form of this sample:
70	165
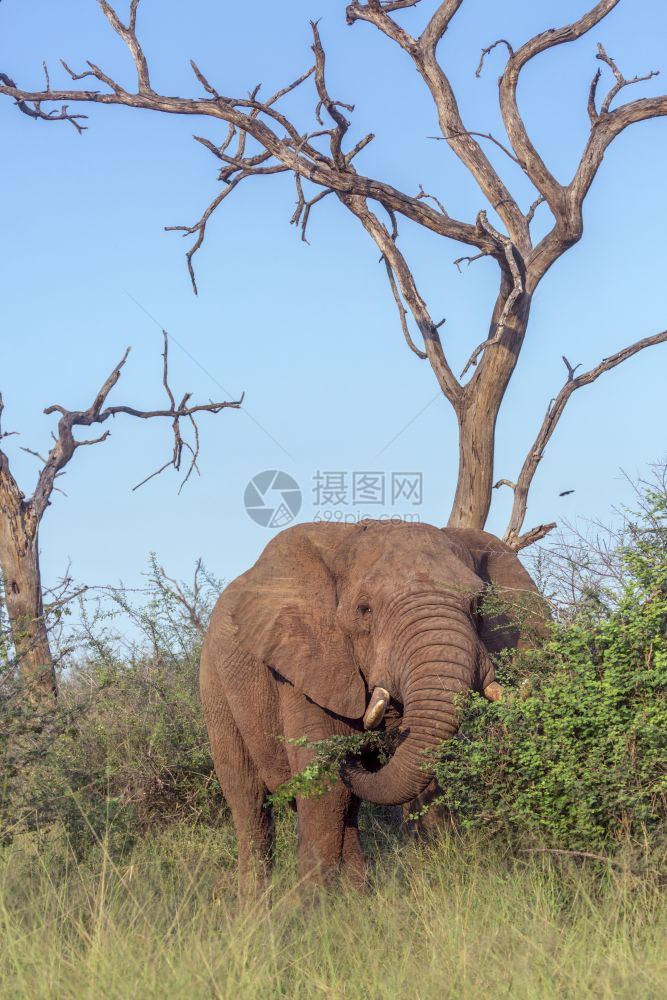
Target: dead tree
20	517
261	140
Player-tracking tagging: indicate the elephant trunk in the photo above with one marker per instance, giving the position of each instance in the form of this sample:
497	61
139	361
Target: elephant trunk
439	658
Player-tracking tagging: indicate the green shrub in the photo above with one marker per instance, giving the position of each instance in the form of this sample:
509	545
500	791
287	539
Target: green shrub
576	756
126	748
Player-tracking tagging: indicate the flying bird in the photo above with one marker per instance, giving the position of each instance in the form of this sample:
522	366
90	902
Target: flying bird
565	493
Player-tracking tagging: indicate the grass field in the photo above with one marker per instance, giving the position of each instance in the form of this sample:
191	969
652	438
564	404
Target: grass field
447	920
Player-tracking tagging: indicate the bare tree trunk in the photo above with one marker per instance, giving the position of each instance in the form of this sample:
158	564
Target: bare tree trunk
477	415
19	559
477	429
284	147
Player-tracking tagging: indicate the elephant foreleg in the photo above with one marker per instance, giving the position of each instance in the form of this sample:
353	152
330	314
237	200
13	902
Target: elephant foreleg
321	834
327	844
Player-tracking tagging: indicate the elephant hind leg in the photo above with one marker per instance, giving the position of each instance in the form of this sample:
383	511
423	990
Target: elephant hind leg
433	820
354	863
244	792
255	833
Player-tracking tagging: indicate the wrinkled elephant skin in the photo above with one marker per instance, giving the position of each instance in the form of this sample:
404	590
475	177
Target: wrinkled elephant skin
331	628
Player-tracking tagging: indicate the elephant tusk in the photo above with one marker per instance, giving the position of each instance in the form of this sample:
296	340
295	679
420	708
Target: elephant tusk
493	691
376	708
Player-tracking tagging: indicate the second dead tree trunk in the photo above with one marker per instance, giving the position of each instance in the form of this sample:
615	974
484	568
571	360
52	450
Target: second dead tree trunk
21	516
19	561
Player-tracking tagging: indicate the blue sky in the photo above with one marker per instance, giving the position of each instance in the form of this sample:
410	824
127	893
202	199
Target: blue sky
309	332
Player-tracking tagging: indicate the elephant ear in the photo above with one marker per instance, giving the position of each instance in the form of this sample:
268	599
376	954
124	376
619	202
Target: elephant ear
514	614
285	615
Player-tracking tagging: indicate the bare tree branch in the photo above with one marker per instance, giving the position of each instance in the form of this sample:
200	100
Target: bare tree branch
621	81
204	82
606	129
516	291
566	202
459	139
36	110
341	122
378	14
490	48
390	5
302	211
129	35
512	535
66	444
402	312
437	26
405	280
423	194
535	534
188	597
200	227
481	135
35	454
467	260
540	175
570	369
4	434
530	214
294	152
592	110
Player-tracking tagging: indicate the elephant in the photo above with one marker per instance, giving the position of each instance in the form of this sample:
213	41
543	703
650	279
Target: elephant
334	626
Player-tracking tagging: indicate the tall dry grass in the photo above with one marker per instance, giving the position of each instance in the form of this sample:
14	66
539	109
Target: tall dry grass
445	920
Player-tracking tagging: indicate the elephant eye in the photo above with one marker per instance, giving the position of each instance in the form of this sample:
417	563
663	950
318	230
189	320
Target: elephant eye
364	608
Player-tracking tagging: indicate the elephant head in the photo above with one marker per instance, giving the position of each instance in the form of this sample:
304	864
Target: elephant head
356	616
